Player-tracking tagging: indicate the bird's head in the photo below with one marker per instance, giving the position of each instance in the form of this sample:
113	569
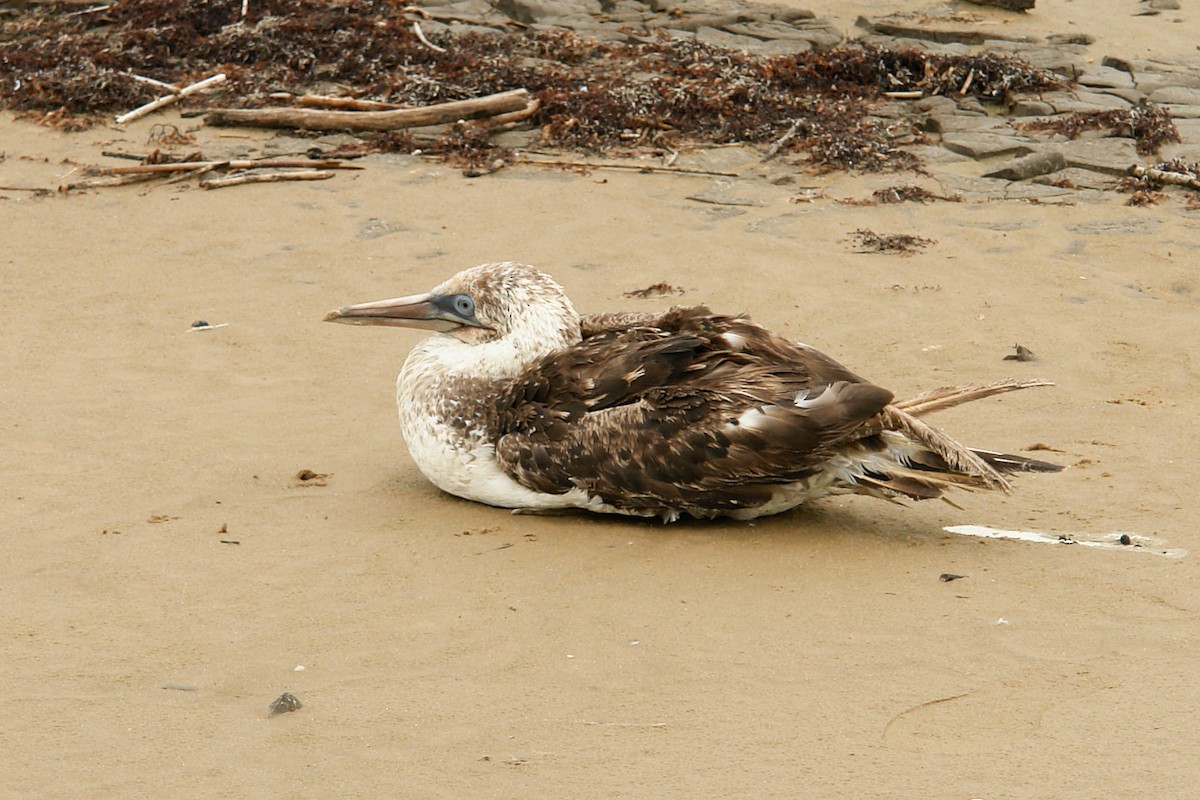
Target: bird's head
507	302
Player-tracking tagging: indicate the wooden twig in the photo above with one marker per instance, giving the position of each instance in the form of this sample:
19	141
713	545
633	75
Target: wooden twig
34	189
319	120
92	10
913	95
183	166
421	35
509	120
98	183
170	87
634	167
195	172
967	83
782	140
343	103
166	100
272	177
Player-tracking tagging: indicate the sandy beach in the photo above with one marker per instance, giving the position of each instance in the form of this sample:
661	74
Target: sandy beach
166	574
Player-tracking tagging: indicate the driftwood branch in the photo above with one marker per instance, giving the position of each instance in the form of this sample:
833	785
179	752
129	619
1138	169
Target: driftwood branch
319	120
185	166
509	120
633	167
166	100
343	103
271	177
1163	176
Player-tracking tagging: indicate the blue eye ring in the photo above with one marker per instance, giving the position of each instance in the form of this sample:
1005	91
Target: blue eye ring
463	305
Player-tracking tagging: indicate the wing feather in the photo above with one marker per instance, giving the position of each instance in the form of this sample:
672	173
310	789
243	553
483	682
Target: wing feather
687	411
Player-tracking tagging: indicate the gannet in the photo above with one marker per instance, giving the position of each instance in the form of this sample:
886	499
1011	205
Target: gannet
519	402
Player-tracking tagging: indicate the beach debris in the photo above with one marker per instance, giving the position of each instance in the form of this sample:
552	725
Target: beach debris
1175	172
180	687
1007	5
905	193
1147	123
306	477
1022	353
316	119
1111	541
904	244
285	703
159	166
177	93
660	289
242	178
203	325
946	577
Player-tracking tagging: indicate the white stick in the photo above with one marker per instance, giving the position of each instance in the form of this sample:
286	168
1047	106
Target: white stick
170	87
166	100
245	8
421	35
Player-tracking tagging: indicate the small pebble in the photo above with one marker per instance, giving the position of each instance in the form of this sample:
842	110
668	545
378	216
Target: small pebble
286	702
200	324
1125	539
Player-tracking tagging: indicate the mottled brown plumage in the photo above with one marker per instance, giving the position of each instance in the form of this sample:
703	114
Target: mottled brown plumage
683	412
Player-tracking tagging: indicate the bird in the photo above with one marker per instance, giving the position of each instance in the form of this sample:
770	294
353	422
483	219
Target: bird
518	401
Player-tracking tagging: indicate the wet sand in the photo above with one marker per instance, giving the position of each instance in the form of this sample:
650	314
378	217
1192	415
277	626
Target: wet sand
157	535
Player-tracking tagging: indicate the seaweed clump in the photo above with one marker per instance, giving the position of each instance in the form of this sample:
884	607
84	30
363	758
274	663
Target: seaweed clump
1146	123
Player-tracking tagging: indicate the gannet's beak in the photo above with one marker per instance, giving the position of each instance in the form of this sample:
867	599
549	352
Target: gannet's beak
427	311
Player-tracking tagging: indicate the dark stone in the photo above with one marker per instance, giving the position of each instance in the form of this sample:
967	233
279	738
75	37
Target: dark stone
1007	5
1030	166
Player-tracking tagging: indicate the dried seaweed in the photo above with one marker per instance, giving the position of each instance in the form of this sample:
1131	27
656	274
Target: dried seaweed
905	244
594	95
1150	125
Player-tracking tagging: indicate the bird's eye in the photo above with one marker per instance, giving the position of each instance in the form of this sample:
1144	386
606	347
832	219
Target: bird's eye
464	305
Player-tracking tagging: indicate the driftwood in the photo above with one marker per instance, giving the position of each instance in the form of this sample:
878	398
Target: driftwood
1163	176
343	103
509	120
320	120
166	100
633	167
116	180
187	166
271	177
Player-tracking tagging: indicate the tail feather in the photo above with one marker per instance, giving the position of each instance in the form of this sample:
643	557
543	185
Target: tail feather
1007	462
926	461
950	396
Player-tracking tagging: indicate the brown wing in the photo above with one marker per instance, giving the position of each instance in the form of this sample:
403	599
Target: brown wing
693	411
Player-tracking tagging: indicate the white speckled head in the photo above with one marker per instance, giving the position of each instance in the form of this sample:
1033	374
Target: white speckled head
514	301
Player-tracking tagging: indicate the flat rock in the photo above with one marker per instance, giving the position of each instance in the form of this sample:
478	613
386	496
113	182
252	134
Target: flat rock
1078	178
1150	80
934	30
1107	156
817	32
1105	77
1185	95
1189	130
1083	102
986	145
964	123
932	154
1030	108
1182	112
